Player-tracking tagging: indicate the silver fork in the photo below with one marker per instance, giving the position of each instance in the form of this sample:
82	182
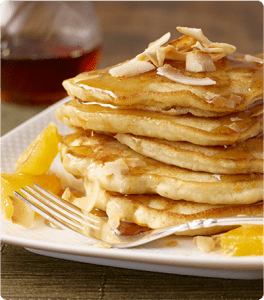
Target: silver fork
65	215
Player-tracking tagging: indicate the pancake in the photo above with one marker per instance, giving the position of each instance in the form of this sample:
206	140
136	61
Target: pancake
169	136
239	83
118	168
245	157
225	130
155	212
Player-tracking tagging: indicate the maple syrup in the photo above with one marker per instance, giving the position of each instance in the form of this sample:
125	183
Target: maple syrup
129	229
38	81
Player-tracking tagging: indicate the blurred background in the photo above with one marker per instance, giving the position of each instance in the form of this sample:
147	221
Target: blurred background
129	26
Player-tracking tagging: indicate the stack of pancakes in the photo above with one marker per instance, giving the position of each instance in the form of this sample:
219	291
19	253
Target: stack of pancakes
173	135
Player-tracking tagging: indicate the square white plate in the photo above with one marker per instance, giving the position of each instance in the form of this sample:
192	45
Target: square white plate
185	258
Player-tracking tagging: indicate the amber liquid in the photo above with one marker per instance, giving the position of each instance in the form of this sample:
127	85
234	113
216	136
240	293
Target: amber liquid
39	81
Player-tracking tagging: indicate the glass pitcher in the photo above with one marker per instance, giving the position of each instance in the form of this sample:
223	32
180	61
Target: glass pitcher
43	43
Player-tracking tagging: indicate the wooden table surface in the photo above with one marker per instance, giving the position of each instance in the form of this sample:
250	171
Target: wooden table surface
128	27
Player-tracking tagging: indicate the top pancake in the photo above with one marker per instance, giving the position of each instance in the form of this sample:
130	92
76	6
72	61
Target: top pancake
236	79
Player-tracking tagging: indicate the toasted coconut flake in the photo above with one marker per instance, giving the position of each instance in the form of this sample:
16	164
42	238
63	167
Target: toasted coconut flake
176	75
118	168
168	52
233	126
113	213
235	99
210	96
235	119
194	32
199	62
230	102
205	243
218	101
161	54
68	195
87	203
216	50
252	58
114	221
151	52
131	68
153	57
158	43
173	54
225	48
183	43
199	46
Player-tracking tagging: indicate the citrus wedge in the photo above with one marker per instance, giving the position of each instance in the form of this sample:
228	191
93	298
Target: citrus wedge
37	158
14	209
243	241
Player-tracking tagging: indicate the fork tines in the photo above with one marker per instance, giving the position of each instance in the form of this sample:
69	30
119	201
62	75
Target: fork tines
55	209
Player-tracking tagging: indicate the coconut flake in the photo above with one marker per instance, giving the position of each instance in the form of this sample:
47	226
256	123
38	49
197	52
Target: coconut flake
177	76
161	54
155	53
210	96
114	221
225	48
153	47
218	101
152	56
252	58
201	47
216	50
87	203
169	52
113	212
131	68
230	102
158	43
194	32
234	127
199	62
118	168
183	43
236	119
205	243
173	54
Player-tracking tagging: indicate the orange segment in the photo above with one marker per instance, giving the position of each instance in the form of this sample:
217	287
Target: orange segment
14	209
243	241
37	158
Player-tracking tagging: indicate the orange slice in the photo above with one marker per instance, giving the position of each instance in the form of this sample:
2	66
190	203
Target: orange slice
14	209
37	158
243	241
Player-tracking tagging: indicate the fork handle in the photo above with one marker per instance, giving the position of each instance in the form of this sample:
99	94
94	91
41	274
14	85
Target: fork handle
196	224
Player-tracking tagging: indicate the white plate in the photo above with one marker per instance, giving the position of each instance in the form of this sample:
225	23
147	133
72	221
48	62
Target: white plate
185	258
